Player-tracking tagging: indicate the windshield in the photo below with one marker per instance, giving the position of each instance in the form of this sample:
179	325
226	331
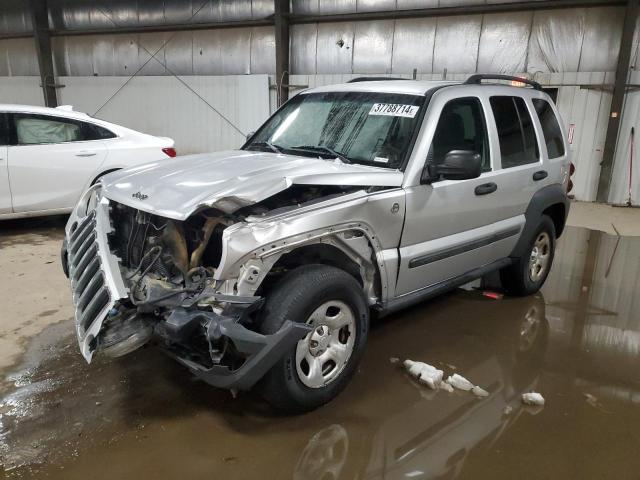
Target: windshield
369	128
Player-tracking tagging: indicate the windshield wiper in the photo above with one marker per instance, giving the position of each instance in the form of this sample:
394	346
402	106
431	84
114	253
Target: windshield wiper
322	149
269	145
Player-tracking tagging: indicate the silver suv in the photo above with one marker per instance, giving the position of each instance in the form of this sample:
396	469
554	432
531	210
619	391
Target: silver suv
262	266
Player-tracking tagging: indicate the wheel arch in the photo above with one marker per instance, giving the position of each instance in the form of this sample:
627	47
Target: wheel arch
551	200
350	250
102	174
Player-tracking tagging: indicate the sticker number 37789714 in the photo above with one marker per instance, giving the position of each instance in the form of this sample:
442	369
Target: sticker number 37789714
394	110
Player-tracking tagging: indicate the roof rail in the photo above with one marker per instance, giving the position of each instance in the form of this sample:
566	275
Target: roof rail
477	79
374	79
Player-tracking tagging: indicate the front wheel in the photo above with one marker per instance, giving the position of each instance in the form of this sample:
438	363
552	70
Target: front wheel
322	363
528	273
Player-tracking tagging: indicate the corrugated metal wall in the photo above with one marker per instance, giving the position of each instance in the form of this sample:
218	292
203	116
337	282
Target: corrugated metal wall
578	47
21	90
165	107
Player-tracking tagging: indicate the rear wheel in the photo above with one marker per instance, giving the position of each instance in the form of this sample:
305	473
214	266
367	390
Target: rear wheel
528	273
322	363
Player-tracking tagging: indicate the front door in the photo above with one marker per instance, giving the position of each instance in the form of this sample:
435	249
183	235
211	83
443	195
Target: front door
51	161
454	226
5	191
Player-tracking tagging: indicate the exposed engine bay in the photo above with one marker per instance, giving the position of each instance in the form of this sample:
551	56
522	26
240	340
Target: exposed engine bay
168	267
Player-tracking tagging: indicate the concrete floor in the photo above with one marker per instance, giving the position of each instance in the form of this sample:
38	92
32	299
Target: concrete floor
143	416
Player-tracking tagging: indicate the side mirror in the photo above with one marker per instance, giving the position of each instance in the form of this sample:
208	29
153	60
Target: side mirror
457	165
250	134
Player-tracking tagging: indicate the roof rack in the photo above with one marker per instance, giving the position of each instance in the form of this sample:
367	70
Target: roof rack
374	79
477	79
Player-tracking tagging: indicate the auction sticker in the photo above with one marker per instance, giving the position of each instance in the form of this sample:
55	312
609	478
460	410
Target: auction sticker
394	110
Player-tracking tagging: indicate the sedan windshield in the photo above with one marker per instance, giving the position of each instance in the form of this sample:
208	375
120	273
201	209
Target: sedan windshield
369	128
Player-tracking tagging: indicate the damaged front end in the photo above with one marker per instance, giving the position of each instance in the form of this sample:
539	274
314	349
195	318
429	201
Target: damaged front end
137	277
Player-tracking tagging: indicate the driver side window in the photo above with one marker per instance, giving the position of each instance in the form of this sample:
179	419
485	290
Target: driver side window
462	126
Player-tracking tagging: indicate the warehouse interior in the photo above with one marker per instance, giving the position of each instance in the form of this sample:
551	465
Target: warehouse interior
208	73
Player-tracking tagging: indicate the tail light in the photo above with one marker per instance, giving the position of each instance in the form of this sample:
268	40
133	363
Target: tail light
572	170
170	151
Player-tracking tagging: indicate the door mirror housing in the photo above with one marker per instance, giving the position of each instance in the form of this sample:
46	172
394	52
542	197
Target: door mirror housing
457	165
250	134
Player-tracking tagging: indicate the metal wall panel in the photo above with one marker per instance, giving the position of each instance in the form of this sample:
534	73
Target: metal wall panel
263	50
150	44
181	114
456	44
408	4
619	192
556	40
587	109
601	42
77	14
14	17
19	57
303	44
178	53
335	47
504	42
219	52
21	90
375	5
308	7
411	36
373	46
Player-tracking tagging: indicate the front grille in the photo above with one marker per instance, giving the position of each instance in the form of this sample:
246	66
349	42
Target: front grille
90	292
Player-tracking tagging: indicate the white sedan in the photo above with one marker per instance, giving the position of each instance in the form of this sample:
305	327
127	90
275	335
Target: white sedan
49	156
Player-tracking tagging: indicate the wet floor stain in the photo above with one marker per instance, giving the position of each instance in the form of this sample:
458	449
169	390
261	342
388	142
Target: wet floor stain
577	342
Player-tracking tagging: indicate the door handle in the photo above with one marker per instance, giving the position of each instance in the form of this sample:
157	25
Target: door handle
486	188
540	175
85	154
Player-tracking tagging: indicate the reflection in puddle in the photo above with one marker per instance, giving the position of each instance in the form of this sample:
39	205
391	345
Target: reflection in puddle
577	342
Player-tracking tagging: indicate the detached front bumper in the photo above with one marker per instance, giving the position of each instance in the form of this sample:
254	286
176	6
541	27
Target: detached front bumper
261	352
97	287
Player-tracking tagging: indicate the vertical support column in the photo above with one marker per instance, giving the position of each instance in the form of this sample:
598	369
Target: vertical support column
42	38
281	18
619	89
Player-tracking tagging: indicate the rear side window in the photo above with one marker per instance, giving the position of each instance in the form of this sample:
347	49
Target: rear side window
518	144
550	128
33	129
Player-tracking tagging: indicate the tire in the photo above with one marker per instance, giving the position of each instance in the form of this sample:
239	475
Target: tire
315	294
521	278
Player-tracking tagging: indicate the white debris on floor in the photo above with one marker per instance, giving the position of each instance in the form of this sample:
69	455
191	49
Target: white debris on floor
432	377
446	387
532	398
425	373
479	391
507	410
459	382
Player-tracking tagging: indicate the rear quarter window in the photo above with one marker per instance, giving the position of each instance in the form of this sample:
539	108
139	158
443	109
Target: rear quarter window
36	129
518	143
550	128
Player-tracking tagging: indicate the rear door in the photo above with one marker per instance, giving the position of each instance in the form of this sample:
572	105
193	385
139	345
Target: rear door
454	226
52	160
5	190
522	165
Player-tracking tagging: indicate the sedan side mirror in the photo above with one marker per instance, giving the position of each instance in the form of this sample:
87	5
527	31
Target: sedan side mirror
250	134
457	165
